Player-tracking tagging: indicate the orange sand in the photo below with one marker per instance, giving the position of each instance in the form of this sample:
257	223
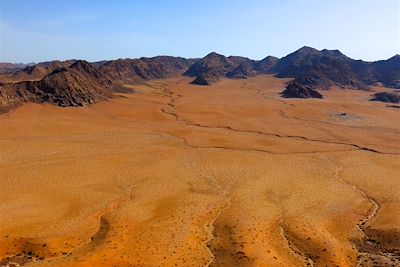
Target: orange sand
182	175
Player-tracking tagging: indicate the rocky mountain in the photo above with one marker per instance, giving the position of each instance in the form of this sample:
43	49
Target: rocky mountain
331	71
131	70
214	66
303	59
120	70
319	69
77	85
322	69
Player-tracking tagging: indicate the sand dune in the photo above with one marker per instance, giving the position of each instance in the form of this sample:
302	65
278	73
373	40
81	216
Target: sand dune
176	174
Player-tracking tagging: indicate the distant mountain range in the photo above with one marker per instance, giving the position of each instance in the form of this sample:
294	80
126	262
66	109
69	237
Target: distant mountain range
12	67
77	82
311	67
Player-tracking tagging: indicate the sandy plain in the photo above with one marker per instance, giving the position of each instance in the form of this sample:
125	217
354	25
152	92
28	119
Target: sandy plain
175	174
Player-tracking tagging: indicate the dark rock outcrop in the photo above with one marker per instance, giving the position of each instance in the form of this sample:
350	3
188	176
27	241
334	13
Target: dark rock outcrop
386	97
298	90
205	79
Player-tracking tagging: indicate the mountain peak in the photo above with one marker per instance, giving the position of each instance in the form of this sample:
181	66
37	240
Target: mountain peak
306	49
213	61
81	64
214	55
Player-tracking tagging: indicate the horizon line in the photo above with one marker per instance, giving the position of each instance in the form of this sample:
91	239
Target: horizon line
177	56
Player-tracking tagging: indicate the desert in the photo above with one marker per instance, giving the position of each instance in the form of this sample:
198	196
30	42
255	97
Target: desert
170	173
200	133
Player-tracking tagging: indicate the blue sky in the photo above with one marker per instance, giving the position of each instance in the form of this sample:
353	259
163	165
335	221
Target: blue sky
103	29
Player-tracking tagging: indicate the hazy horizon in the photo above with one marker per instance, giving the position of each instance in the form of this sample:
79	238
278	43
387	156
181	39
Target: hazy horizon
100	30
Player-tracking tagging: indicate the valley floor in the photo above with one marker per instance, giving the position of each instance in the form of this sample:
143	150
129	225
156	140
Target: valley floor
175	174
